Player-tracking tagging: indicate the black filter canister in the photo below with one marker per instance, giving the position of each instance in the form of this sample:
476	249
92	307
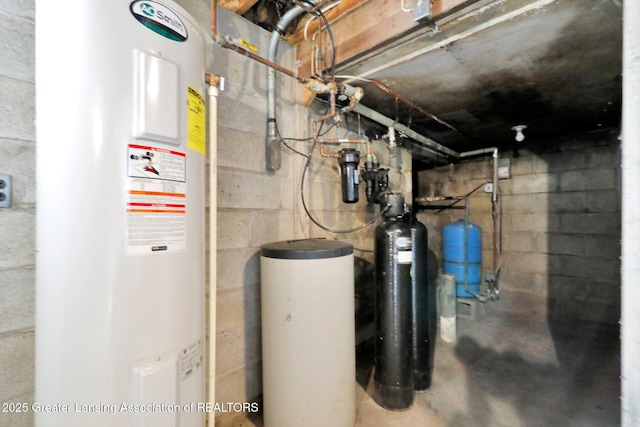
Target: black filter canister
349	159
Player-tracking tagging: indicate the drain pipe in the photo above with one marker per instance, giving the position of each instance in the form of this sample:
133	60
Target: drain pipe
213	84
273	152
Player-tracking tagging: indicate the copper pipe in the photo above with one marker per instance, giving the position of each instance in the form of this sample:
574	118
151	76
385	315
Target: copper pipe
212	79
325	154
332	103
411	104
338	141
264	61
214	19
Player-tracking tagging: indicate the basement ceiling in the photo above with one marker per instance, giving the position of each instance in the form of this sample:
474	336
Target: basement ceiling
552	65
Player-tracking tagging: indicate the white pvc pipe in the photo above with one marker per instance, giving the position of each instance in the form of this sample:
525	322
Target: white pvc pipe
212	92
631	216
477	152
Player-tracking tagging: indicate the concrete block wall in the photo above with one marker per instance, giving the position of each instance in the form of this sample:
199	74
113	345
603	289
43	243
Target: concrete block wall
254	206
460	179
324	197
17	245
324	200
560	226
257	207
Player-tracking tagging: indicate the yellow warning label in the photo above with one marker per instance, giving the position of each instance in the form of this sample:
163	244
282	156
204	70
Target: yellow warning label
248	45
196	121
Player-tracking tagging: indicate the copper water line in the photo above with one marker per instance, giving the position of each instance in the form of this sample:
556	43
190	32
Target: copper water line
338	141
226	44
214	20
325	154
332	103
264	61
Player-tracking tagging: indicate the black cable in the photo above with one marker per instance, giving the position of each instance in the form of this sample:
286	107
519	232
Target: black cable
333	50
321	15
293	149
459	200
325	228
283	140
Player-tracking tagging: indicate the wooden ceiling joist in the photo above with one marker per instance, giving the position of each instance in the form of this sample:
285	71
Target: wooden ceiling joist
332	14
364	25
237	6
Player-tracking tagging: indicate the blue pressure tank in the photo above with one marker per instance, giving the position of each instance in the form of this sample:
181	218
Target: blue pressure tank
453	242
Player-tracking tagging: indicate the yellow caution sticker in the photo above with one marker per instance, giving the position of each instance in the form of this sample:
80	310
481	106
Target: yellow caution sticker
248	45
196	121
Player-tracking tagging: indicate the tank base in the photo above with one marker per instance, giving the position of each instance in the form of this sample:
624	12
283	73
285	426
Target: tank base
392	397
421	382
460	291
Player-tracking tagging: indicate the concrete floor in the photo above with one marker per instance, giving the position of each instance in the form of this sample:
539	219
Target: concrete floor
508	371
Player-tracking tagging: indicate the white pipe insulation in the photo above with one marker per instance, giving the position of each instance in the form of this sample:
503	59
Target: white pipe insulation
630	331
212	92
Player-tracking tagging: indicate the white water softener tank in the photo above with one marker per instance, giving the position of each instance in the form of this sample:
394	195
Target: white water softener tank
308	334
120	226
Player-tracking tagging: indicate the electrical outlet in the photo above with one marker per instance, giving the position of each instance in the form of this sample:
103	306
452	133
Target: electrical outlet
504	168
5	190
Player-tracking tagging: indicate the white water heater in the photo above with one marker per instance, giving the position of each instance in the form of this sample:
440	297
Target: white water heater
120	214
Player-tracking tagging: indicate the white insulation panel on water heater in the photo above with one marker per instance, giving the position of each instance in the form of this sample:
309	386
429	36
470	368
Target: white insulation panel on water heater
120	225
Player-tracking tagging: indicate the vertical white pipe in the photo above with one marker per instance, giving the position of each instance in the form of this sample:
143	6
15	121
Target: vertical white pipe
494	193
212	92
631	216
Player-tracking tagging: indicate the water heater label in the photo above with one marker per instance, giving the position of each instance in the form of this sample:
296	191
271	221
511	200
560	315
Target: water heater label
196	121
160	19
156	200
191	358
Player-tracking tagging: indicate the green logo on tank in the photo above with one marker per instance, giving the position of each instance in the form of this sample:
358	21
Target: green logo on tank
159	19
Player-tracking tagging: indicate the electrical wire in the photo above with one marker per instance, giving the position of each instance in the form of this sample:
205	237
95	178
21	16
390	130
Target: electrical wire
283	141
293	149
459	200
324	10
332	44
319	134
325	228
321	15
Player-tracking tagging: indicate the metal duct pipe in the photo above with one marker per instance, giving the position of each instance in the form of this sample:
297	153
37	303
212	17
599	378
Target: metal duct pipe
439	152
274	158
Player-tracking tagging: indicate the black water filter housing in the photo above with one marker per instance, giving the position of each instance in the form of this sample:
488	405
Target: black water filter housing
424	315
349	159
393	377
